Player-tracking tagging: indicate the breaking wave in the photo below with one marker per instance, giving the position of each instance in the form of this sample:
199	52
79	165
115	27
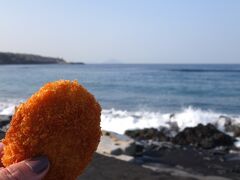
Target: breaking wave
119	120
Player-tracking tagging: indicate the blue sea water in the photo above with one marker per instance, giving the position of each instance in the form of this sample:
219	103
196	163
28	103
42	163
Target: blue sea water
135	88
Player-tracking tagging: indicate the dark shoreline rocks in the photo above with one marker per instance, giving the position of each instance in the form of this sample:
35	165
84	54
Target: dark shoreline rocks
198	150
206	137
201	136
147	134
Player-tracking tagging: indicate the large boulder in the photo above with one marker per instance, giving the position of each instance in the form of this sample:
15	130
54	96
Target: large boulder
204	136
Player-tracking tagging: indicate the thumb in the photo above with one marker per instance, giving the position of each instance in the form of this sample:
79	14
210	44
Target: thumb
32	169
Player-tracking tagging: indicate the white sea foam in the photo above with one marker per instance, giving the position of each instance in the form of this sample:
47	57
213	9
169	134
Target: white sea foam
119	121
8	107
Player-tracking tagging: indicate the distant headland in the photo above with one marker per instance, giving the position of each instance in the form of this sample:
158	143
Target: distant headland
19	58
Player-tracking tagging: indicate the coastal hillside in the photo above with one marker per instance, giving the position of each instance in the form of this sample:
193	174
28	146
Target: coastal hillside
16	58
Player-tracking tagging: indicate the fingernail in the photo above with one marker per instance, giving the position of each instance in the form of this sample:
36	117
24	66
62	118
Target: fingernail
38	164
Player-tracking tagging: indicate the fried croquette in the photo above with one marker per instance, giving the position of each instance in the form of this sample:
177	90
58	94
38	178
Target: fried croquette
61	121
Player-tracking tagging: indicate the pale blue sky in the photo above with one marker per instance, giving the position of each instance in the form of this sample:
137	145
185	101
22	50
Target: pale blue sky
129	31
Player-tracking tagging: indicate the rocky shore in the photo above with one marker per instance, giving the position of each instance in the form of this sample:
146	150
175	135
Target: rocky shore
201	152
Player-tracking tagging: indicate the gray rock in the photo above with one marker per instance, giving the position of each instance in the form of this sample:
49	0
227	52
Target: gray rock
4	120
5	128
117	151
129	148
2	134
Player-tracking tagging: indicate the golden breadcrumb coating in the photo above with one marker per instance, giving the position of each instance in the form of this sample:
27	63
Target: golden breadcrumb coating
61	121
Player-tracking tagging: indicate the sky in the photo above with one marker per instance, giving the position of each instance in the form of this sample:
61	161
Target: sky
124	31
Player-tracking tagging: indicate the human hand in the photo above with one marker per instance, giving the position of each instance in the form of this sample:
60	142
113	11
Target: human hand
30	169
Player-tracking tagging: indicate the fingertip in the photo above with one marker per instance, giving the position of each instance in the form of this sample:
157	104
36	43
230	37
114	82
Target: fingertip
35	168
38	164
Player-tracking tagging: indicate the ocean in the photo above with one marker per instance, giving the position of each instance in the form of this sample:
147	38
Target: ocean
137	95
